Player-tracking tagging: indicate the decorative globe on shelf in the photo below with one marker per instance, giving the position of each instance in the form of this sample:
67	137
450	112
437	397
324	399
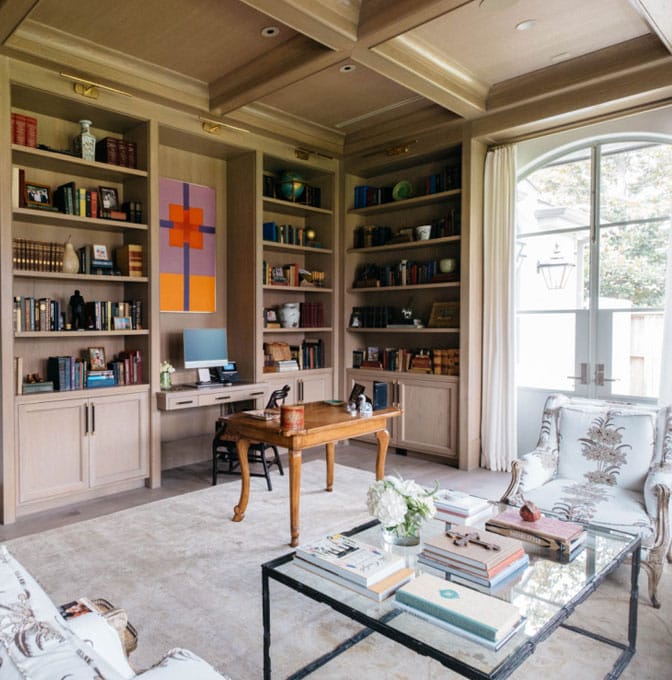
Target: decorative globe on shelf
291	186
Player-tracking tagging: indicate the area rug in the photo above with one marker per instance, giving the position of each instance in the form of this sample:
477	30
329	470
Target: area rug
190	577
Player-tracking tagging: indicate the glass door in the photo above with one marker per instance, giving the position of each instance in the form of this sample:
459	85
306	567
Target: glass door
592	240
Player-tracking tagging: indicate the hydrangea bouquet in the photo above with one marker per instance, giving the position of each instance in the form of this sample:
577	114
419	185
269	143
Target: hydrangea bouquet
400	506
165	370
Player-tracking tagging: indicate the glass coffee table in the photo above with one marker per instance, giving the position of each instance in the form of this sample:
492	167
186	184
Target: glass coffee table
547	594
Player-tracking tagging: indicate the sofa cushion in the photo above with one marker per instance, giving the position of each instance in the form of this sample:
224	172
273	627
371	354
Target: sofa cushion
181	664
608	506
606	446
35	642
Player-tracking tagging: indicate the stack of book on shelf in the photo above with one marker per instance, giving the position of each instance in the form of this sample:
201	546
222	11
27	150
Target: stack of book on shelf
458	507
547	532
472	615
364	568
479	559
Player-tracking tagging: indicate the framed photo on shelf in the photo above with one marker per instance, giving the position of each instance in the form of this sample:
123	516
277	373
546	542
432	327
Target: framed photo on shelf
109	199
122	323
271	318
37	195
97	358
99	252
444	315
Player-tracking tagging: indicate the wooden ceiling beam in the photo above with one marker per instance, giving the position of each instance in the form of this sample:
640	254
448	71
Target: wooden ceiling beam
294	60
331	24
658	15
12	13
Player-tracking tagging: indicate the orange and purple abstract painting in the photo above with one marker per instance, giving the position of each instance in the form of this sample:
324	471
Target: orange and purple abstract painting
187	256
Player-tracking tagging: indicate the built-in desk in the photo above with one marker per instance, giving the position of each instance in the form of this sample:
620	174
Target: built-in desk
180	397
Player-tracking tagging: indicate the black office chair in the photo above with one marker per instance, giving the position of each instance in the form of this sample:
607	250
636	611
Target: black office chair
225	450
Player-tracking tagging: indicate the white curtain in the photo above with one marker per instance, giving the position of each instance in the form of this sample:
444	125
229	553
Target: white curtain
665	396
498	421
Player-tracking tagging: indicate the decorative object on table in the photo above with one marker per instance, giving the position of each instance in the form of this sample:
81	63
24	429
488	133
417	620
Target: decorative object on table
70	259
444	315
402	190
292	418
187	247
401	506
291	185
290	314
423	232
459	507
77	312
84	144
530	512
165	371
365	408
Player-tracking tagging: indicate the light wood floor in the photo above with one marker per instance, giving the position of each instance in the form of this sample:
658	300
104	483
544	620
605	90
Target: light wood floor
423	469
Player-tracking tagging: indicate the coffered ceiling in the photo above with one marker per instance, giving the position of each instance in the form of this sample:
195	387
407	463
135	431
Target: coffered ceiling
353	76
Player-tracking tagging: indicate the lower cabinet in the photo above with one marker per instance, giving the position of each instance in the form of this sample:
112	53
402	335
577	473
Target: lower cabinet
305	386
428	423
70	449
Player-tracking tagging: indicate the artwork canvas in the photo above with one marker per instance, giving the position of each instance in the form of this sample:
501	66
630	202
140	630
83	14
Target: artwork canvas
187	254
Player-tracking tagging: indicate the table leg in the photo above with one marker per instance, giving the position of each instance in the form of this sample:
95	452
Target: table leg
330	465
383	437
242	446
294	494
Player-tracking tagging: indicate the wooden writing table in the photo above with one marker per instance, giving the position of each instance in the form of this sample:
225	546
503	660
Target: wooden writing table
324	424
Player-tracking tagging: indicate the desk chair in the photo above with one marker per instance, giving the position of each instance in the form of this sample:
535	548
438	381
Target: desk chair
225	451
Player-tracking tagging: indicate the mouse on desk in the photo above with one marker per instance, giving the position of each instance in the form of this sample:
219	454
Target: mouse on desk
226	383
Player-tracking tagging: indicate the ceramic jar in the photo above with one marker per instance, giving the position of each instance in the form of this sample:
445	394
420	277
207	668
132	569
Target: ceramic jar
70	259
290	314
84	145
423	232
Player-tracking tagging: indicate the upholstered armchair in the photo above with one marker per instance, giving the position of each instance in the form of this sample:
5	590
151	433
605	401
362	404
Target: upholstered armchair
604	463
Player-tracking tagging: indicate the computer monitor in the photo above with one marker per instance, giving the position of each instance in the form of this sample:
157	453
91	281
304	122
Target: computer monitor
205	347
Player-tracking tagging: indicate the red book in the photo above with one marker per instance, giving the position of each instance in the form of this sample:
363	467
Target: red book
18	129
31	131
122	158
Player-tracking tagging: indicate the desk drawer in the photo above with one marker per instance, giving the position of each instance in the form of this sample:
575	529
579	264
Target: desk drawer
210	398
175	401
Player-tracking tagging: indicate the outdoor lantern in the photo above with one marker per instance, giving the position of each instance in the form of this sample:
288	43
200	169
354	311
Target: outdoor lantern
555	270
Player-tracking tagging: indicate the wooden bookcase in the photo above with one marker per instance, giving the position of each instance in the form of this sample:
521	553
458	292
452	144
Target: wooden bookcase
385	275
67	445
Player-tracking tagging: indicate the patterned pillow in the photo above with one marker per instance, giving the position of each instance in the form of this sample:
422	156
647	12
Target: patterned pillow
611	446
179	664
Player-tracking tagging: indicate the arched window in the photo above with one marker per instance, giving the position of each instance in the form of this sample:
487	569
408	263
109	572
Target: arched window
592	241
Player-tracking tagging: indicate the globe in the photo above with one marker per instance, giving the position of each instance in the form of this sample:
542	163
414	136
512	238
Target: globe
291	186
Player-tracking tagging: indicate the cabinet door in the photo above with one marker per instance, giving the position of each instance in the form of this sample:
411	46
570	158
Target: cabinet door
316	387
429	419
52	449
119	442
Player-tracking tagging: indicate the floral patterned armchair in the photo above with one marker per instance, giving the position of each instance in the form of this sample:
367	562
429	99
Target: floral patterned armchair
604	463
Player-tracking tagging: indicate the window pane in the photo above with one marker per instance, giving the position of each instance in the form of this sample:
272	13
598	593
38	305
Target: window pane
546	351
635	181
632	265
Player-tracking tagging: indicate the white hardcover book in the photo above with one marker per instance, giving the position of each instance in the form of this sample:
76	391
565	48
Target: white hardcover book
360	562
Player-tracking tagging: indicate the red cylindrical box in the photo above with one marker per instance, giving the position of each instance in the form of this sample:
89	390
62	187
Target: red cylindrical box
291	418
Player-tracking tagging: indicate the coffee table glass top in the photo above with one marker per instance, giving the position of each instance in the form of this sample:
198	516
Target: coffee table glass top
544	594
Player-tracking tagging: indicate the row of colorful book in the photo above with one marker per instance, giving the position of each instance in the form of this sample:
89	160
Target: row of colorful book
68	373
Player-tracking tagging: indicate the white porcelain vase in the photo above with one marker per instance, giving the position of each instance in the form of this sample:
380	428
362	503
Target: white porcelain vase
290	314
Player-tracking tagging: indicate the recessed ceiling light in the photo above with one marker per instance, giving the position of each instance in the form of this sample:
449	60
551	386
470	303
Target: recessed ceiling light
560	57
347	68
270	31
525	25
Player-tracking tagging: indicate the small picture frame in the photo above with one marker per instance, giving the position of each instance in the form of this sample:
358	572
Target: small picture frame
99	252
122	323
97	359
37	195
109	199
444	315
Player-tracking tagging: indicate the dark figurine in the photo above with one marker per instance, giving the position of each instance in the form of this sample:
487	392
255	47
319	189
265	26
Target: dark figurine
77	312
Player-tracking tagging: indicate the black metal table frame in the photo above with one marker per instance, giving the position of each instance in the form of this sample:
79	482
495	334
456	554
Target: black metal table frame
508	665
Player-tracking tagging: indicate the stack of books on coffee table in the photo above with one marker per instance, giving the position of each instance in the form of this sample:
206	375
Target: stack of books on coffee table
458	507
472	615
476	558
364	568
548	532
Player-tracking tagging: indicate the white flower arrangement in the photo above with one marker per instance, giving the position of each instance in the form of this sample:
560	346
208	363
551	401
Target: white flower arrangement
166	367
400	505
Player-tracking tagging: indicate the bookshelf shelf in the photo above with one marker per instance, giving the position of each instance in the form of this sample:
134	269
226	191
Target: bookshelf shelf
412	245
289	247
303	331
71	335
394	289
47	217
297	289
93	278
415	202
290	208
405	331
